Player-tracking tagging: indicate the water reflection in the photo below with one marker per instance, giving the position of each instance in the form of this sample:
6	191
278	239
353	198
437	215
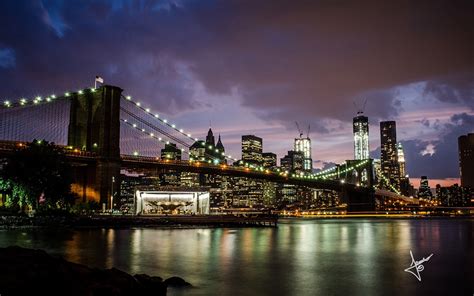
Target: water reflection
300	257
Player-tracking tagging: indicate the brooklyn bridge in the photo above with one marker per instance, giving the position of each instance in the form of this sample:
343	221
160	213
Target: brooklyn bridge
104	132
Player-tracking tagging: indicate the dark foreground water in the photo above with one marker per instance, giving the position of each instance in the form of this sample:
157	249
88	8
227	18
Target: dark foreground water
300	257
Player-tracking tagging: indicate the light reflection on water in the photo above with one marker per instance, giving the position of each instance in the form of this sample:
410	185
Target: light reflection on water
300	257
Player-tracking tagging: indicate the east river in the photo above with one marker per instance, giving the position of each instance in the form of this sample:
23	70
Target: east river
300	257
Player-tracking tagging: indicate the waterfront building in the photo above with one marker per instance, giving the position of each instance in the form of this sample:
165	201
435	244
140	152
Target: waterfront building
389	155
303	145
466	159
454	196
252	150
360	129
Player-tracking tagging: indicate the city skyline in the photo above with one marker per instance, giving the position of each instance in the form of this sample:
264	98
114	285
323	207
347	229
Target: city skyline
429	96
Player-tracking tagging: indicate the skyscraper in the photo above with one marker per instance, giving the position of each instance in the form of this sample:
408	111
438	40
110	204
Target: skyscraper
293	162
389	154
361	136
401	160
303	145
424	191
466	159
252	150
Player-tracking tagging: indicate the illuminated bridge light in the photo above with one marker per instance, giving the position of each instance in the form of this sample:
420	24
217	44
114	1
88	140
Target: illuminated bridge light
80	92
181	131
53	96
157	116
67	94
165	120
128	98
147	110
173	126
138	104
152	134
134	125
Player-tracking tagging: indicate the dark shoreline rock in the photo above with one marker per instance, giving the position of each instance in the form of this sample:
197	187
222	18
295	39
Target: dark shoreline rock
34	272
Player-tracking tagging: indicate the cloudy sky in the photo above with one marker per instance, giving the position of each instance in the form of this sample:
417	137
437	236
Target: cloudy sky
254	67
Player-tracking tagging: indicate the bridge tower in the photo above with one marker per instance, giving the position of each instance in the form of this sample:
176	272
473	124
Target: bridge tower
94	126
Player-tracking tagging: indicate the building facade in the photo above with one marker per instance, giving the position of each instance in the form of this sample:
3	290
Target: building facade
389	155
424	191
466	160
360	128
269	160
252	150
303	145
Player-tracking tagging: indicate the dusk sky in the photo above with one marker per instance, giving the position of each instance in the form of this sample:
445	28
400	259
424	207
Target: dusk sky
254	67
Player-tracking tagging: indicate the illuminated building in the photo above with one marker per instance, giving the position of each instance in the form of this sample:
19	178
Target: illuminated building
171	152
454	196
389	157
466	160
293	162
269	188
424	191
171	177
303	145
401	160
171	202
252	150
208	151
269	160
361	136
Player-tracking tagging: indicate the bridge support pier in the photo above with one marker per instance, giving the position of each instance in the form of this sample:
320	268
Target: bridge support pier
94	126
359	200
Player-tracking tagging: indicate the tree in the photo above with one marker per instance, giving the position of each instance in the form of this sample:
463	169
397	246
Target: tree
38	174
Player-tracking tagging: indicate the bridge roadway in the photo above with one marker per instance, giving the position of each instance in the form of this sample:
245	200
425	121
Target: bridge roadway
132	162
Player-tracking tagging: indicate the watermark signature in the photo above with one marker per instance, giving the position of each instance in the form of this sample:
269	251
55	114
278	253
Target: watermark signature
416	266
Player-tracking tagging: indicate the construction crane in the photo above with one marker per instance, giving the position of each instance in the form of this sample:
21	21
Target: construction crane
299	130
360	110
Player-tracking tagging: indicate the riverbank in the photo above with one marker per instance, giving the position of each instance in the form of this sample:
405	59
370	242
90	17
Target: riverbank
104	221
34	272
